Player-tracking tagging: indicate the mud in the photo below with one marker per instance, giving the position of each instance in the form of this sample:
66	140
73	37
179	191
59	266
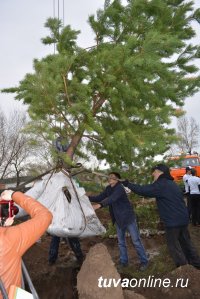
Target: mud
60	280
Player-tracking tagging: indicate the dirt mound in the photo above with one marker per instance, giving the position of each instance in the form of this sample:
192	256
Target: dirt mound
98	264
59	281
132	295
184	283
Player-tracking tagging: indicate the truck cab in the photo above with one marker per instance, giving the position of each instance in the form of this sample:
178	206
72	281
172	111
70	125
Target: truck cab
178	170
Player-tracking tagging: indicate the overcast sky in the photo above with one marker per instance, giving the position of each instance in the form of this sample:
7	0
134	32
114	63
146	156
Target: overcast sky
21	30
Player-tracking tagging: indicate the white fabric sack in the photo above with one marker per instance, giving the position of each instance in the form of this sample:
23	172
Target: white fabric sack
70	219
34	192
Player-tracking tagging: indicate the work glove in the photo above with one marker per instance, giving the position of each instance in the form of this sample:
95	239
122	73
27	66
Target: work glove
7	195
125	183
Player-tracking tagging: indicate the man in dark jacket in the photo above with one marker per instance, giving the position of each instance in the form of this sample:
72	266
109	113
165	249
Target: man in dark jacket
123	215
173	213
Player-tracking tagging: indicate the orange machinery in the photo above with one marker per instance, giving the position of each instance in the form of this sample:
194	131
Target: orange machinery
178	170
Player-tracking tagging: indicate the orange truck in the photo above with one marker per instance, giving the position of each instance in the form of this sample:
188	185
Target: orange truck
178	170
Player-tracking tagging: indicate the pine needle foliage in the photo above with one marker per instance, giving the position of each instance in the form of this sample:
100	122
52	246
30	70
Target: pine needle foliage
116	98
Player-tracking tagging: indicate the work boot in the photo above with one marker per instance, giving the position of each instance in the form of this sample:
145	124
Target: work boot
143	267
121	266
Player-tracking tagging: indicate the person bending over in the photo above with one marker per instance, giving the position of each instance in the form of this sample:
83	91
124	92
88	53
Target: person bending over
173	212
123	215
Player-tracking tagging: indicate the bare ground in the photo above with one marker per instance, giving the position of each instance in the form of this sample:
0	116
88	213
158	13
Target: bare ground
59	281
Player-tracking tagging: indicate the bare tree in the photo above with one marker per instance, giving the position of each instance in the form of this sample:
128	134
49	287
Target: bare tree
15	148
42	159
188	133
11	140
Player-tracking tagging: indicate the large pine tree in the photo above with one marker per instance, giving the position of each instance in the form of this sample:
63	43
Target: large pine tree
115	99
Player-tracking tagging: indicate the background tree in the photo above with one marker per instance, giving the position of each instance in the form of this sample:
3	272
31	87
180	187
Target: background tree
188	133
17	151
13	144
115	99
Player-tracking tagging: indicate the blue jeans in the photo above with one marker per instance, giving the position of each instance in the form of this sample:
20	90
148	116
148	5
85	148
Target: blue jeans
135	237
73	243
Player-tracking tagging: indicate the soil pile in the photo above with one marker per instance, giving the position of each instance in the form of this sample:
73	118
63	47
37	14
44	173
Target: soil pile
132	295
184	284
59	281
98	264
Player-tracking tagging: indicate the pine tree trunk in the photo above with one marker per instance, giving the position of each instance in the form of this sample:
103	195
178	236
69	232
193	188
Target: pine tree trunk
74	143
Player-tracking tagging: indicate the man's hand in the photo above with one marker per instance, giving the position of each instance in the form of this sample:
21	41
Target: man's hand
125	183
7	195
88	193
96	206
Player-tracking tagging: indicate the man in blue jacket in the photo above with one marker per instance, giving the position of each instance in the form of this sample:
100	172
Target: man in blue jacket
173	213
123	215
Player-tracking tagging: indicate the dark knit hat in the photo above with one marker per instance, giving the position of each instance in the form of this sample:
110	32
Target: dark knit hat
165	169
162	167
